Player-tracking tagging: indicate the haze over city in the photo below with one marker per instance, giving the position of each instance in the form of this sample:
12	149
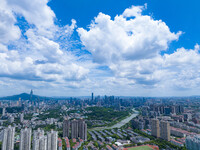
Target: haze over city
109	47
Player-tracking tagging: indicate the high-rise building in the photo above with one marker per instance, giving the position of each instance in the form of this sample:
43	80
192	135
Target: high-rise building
21	117
92	97
165	130
66	127
52	142
40	143
82	129
155	128
25	139
39	140
74	129
4	111
31	97
193	142
8	138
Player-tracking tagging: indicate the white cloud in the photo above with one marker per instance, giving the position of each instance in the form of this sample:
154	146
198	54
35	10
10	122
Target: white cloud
110	41
8	30
126	53
38	56
131	46
134	11
36	12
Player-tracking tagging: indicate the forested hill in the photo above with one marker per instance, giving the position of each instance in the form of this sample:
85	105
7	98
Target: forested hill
25	96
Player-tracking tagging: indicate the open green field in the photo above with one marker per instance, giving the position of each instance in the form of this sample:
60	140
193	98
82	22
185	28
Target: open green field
141	148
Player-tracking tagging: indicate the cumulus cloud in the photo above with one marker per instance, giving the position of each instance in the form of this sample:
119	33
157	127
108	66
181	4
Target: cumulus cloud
126	53
8	30
126	39
131	45
36	55
36	12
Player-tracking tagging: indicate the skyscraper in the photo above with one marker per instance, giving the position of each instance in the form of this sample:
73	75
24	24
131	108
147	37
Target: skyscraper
52	140
66	127
74	129
8	138
92	97
165	130
155	128
25	139
31	96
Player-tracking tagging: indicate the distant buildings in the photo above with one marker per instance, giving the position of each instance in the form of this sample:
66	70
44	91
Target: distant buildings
138	124
155	128
165	130
193	142
8	138
25	139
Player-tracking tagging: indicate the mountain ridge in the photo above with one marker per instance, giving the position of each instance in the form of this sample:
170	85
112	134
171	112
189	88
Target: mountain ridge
25	96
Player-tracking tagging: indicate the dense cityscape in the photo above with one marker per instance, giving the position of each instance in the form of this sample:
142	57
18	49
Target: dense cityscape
99	122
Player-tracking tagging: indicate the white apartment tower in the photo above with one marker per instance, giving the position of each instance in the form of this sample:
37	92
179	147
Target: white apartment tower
8	138
52	140
25	139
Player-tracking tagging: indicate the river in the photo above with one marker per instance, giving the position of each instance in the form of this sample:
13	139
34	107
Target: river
121	123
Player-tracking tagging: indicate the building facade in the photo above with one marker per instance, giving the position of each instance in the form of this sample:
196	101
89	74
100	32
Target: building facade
165	130
193	142
52	140
8	138
66	128
25	139
155	128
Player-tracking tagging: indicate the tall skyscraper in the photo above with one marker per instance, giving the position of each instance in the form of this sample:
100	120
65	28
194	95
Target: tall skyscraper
165	130
92	97
155	128
8	138
74	129
39	140
25	139
82	129
52	140
66	127
31	96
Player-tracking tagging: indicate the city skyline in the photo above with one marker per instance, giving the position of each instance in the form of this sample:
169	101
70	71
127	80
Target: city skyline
123	48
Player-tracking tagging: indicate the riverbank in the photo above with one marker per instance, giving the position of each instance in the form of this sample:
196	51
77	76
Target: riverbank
120	123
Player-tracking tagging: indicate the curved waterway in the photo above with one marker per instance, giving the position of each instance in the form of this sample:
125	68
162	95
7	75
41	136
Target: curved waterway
121	123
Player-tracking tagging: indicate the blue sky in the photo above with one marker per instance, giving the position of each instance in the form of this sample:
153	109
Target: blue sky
112	47
179	15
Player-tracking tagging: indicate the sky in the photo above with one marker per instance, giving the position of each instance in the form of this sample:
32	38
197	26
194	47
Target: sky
109	47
